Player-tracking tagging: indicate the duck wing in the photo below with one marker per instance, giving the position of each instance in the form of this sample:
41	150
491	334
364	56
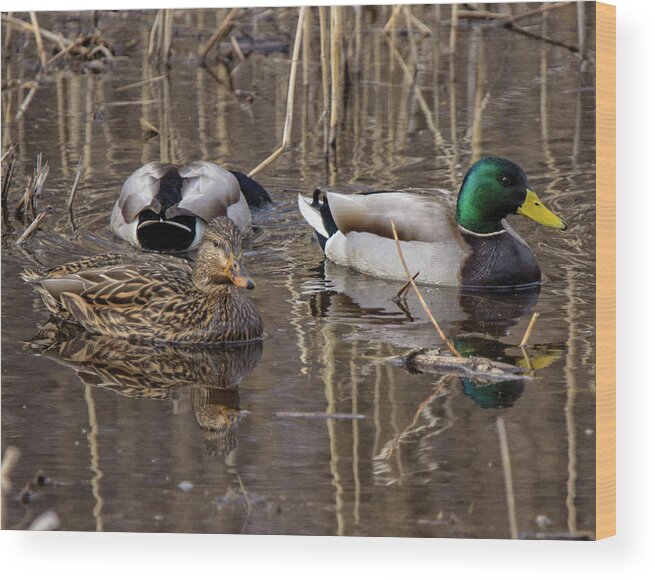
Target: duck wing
140	191
420	217
208	191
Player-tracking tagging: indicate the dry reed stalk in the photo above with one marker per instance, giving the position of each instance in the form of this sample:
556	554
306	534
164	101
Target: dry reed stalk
220	33
335	63
140	83
64	51
236	48
429	117
546	7
39	40
306	48
288	122
325	77
514	28
152	41
453	29
27	100
528	330
32	227
507	471
76	182
34	186
450	345
61	40
391	23
168	35
9	461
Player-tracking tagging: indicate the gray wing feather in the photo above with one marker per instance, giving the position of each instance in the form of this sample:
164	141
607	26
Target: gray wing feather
421	217
208	191
140	189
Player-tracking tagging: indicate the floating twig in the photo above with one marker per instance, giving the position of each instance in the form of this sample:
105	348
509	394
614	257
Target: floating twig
528	330
288	122
140	83
447	342
32	227
507	471
318	415
475	367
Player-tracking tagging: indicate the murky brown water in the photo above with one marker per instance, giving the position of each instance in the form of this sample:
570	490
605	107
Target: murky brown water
145	439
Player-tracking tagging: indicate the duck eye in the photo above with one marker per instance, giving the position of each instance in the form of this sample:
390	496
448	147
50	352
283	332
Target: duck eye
506	180
215	243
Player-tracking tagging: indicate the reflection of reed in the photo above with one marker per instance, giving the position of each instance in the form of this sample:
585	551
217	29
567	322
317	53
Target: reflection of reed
329	374
92	437
569	408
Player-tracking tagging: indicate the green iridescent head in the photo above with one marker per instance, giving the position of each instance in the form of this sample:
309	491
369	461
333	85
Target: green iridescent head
494	188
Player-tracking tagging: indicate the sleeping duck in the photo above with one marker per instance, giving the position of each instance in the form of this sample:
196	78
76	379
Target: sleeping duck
475	248
165	208
157	300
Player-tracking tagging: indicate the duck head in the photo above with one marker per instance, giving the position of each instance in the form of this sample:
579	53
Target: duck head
494	188
219	257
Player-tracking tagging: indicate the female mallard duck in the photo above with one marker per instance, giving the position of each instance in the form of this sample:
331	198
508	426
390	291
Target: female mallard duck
478	249
160	301
165	208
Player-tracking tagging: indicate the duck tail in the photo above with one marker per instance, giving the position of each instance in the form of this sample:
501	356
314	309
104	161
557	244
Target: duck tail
255	194
318	215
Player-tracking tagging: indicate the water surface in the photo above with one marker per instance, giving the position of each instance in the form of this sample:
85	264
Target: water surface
215	440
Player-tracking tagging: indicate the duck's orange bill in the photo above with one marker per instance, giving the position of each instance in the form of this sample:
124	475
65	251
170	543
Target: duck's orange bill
238	274
534	208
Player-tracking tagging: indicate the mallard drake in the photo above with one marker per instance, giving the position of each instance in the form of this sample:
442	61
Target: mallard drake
165	208
475	248
156	300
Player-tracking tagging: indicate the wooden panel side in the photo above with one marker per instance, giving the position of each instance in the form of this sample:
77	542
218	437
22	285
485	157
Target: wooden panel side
605	270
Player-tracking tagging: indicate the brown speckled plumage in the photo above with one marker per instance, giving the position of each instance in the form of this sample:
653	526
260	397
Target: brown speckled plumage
158	299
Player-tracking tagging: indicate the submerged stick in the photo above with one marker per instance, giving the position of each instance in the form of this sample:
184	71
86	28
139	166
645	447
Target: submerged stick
528	330
447	342
288	122
507	471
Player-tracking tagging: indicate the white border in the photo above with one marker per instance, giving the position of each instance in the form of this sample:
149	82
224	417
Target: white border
630	555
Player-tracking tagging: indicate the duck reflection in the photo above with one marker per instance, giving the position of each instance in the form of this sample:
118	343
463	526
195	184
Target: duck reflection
478	319
160	372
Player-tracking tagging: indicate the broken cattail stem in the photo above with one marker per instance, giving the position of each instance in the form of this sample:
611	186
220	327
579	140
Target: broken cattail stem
32	227
528	330
288	122
447	342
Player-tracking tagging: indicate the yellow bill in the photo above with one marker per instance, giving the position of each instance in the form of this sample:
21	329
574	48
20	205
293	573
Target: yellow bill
534	208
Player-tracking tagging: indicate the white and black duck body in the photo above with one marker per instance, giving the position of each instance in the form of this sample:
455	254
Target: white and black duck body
165	208
355	231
